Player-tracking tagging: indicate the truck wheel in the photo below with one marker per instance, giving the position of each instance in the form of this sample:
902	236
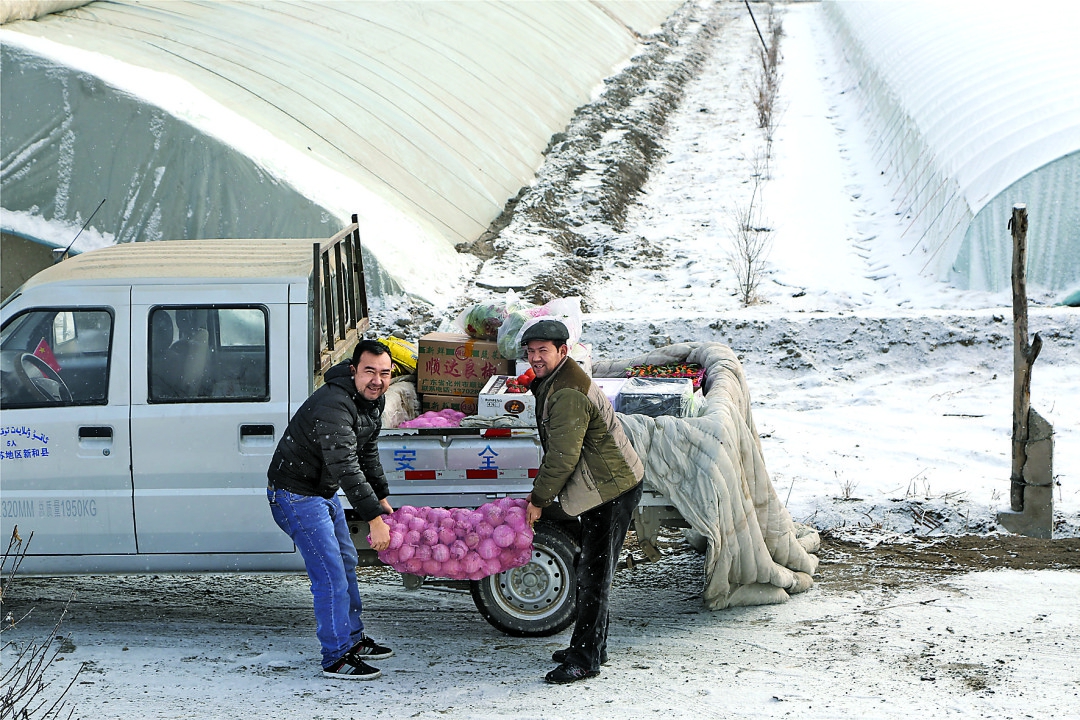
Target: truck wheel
538	598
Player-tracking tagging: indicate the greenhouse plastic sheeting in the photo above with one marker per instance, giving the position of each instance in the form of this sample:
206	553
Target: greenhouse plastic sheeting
281	118
976	108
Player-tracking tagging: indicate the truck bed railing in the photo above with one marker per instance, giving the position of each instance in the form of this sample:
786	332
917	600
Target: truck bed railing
339	297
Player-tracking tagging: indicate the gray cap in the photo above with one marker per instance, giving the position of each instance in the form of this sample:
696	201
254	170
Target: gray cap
546	330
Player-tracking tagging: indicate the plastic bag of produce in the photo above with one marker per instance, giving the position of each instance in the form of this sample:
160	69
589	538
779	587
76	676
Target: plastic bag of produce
459	543
521	315
482	321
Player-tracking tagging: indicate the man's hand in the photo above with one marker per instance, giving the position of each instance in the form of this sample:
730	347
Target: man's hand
532	513
386	505
380	533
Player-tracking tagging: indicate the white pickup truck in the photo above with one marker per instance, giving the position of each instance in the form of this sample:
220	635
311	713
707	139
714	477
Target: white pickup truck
145	386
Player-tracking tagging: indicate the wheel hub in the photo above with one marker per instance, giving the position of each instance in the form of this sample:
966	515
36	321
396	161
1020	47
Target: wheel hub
534	587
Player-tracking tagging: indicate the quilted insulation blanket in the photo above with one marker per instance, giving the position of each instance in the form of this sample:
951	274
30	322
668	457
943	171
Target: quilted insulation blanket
711	468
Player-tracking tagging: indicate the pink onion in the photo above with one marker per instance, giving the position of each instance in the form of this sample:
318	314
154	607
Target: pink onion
396	539
406	552
493	514
407	510
441	553
458	549
475	518
390	557
523	540
488	549
423	552
515	522
430	536
493	566
447	536
472	563
446	523
432	567
503	536
417	523
413	566
452	569
472	540
484	530
412	537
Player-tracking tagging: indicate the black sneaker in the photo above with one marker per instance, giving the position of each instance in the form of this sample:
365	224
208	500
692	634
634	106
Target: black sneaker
351	668
559	656
368	649
568	673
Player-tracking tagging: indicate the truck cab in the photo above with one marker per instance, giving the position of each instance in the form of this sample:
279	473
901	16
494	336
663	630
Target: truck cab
143	389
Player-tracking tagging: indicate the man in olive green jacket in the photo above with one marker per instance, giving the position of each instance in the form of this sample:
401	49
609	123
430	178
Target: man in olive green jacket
591	467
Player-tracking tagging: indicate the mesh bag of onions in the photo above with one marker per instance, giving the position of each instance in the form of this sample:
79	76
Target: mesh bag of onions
459	543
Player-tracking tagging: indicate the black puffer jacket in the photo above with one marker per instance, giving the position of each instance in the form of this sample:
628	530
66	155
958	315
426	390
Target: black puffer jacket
330	443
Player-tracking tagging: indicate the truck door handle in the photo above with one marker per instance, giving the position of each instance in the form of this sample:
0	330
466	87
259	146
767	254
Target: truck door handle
250	430
95	431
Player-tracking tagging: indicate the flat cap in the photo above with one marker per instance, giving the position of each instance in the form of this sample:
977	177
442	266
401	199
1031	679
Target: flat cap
546	330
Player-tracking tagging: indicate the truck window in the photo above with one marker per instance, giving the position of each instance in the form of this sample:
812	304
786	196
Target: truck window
208	354
55	357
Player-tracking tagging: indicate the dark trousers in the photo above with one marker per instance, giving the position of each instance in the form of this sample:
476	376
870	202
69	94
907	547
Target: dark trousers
603	530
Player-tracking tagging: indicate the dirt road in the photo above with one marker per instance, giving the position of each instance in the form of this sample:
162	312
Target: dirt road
930	629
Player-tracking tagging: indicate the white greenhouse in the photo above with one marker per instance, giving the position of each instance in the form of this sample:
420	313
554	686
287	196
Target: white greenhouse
975	106
282	118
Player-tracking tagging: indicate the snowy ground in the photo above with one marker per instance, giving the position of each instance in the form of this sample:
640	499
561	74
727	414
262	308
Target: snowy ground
875	638
884	403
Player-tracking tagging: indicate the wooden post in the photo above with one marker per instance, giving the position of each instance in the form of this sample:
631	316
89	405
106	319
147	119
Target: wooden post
1023	356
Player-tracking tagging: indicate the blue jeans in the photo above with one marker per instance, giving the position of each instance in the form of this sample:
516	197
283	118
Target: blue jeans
317	526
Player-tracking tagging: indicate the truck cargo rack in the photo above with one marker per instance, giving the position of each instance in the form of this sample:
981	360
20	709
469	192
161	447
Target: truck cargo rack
339	297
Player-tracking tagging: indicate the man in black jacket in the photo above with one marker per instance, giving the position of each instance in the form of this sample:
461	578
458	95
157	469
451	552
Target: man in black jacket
331	443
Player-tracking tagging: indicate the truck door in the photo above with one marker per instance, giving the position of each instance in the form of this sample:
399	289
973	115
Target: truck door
64	445
210	400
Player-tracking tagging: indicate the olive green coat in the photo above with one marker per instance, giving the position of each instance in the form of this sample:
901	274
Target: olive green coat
588	459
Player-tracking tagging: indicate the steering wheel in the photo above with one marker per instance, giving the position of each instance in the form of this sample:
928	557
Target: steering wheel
56	390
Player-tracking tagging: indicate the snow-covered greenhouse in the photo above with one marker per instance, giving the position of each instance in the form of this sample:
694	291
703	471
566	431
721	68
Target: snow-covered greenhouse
281	119
197	119
975	106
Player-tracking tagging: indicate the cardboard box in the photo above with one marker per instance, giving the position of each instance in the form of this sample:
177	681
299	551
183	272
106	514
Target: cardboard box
453	364
494	400
461	403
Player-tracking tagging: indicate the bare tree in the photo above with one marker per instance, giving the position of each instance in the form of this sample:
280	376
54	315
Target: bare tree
26	694
750	246
767	82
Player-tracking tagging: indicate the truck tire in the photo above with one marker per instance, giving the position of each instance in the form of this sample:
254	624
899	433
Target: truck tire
536	599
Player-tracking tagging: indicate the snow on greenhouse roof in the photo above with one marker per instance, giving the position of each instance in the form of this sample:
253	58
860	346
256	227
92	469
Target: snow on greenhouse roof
967	97
431	112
